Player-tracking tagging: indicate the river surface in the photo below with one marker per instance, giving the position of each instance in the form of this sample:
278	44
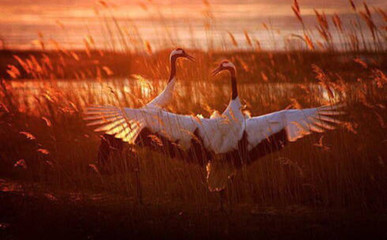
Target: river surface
191	96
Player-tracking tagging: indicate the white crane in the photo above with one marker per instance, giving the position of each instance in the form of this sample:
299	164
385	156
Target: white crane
254	137
221	132
225	141
165	97
161	101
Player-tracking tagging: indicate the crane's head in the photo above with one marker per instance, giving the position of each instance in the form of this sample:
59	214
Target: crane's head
179	52
225	65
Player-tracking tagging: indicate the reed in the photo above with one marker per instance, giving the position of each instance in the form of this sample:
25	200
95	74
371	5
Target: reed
42	118
62	148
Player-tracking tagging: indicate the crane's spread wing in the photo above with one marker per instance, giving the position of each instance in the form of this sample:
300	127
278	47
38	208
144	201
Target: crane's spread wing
115	121
294	123
127	123
164	98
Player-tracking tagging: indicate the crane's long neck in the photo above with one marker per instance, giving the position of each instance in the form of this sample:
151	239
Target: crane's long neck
173	69
234	85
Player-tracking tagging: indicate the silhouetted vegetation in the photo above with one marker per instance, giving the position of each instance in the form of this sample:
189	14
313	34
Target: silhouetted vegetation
323	186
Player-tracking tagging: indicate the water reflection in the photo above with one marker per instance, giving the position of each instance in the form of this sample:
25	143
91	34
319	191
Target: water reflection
191	96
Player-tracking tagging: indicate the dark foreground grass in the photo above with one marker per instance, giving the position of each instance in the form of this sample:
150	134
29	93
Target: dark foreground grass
45	217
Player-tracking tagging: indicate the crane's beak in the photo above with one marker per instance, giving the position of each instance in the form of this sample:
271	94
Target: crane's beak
189	57
216	71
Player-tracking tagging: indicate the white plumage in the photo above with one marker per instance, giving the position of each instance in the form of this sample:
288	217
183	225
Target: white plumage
165	97
122	123
263	129
221	134
127	123
297	123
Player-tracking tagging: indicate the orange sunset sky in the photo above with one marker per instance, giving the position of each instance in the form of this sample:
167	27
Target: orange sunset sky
69	21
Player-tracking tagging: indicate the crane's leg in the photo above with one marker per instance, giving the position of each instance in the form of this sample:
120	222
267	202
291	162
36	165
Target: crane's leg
222	197
103	152
229	194
136	170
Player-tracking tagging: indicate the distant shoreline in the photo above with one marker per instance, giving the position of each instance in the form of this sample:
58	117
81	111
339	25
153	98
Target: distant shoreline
252	65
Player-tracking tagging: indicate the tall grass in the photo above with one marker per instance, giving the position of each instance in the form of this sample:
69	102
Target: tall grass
42	120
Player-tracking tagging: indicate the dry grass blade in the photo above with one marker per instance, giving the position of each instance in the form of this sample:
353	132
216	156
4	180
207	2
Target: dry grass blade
352	4
308	42
248	39
233	40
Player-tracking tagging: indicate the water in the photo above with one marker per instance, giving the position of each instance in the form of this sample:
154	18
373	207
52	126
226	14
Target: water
191	97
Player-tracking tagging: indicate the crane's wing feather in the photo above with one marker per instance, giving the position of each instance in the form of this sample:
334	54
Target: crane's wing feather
115	121
127	123
296	123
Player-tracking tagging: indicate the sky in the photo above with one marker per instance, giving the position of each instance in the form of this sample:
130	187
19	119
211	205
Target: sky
305	3
21	21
